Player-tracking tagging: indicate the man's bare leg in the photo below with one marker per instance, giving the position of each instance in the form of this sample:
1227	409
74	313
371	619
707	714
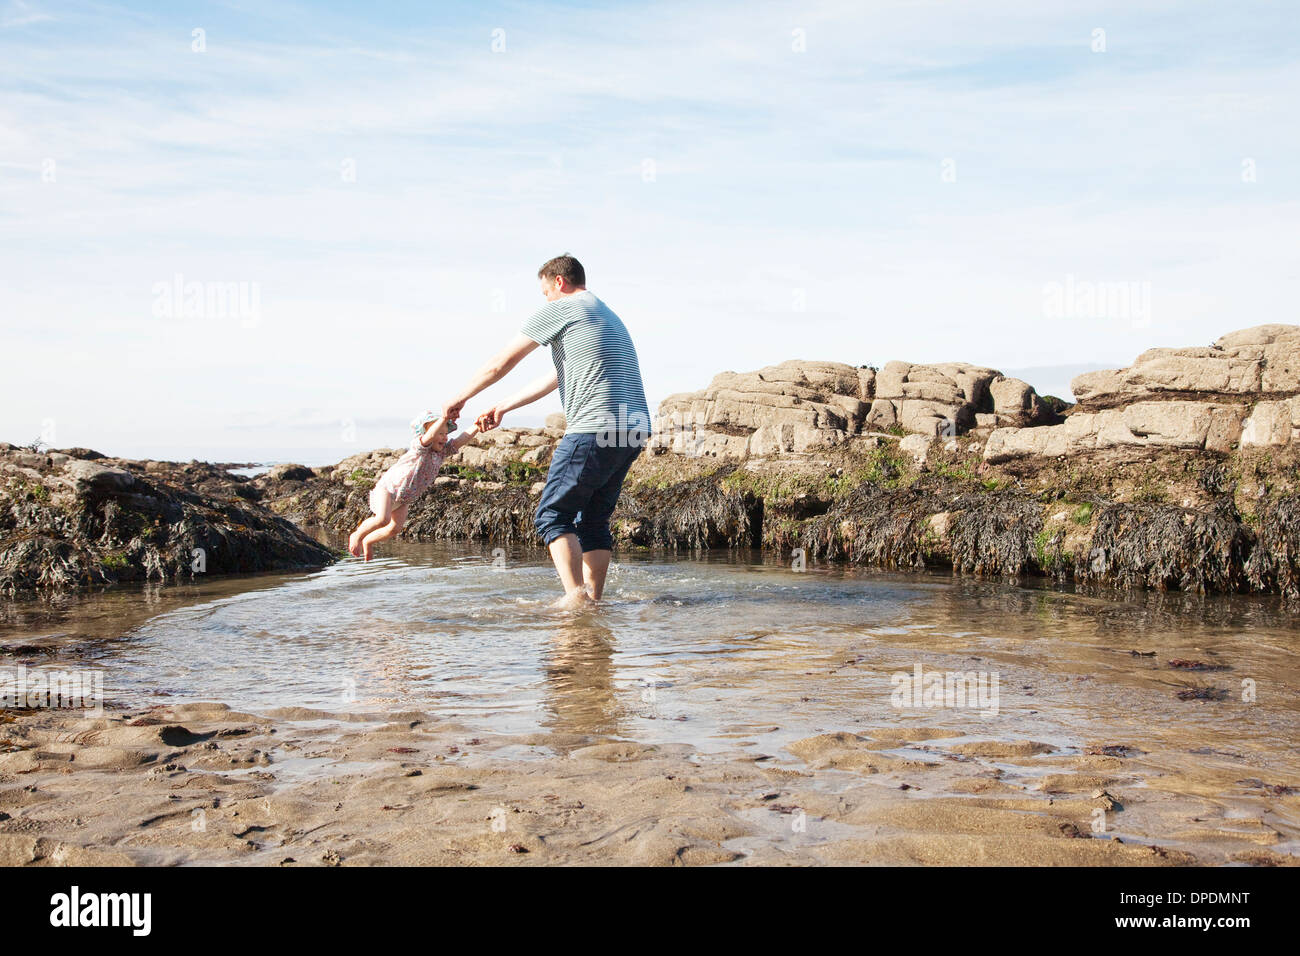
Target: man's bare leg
595	565
567	555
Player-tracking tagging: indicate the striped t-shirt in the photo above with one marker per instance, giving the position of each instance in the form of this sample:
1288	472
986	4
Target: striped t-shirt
595	363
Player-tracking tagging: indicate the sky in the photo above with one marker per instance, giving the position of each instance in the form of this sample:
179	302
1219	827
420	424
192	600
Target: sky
276	232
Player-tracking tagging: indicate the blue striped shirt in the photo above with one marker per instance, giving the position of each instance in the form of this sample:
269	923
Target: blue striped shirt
595	364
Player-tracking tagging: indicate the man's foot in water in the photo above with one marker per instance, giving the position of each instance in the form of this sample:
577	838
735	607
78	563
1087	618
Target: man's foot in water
577	598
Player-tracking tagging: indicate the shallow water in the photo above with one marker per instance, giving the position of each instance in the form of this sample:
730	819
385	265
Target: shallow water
719	651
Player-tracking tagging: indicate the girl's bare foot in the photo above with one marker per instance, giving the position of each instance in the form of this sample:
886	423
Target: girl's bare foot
366	549
354	544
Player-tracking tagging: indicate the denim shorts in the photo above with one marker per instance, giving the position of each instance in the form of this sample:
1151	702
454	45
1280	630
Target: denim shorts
582	489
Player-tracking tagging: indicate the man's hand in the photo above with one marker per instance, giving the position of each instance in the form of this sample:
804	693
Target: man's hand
490	419
451	411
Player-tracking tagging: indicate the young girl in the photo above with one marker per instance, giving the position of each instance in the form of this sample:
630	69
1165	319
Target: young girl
409	478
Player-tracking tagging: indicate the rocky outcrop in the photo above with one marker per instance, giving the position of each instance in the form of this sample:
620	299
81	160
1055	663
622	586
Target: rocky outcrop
1174	424
1180	472
1255	363
796	406
951	398
802	406
1240	392
69	522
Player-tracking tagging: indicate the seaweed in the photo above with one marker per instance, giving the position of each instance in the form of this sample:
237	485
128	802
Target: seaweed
1274	561
502	515
1165	546
999	534
698	513
154	530
989	533
886	527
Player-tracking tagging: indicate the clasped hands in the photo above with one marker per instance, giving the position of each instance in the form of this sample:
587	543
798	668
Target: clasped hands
486	421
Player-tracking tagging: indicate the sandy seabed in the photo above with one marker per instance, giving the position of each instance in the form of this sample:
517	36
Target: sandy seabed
201	783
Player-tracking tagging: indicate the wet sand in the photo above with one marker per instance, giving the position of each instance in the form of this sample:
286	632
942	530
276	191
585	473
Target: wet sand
430	710
200	783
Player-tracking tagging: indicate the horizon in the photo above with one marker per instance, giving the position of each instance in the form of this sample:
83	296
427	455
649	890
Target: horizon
359	201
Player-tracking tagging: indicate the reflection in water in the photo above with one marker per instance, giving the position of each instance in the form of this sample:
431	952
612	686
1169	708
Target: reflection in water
716	651
579	672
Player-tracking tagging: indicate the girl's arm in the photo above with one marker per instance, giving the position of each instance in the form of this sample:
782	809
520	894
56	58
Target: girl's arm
431	431
525	396
461	440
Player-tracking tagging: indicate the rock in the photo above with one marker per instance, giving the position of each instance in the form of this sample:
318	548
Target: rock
290	473
1282	364
1256	336
555	425
864	443
89	475
1240	391
866	384
945	398
1272	424
1183	424
1211	372
99	522
89	454
802	406
1238	366
794	407
932	418
1016	403
918	446
1174	424
503	446
29	459
882	416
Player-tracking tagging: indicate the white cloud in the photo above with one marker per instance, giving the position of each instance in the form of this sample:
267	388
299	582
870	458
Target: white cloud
774	171
20	14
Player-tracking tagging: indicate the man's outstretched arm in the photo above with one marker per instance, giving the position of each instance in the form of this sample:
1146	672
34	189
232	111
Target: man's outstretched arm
497	368
525	396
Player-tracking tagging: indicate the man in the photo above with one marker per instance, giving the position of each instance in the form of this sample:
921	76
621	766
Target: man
607	418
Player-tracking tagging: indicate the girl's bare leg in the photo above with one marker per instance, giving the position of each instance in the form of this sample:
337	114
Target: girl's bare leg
381	503
363	529
383	533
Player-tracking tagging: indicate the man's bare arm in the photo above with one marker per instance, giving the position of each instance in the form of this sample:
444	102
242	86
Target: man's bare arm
525	396
497	368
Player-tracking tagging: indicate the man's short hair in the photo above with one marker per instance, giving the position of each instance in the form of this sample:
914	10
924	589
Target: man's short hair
566	267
